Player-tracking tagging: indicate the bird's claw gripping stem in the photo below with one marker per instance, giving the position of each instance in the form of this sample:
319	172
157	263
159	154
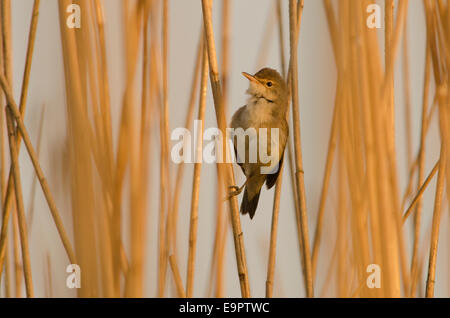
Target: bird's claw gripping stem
235	191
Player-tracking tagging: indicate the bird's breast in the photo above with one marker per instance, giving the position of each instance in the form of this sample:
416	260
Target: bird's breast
260	112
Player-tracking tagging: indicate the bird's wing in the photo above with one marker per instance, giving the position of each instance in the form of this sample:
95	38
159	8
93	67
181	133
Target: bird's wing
272	178
236	122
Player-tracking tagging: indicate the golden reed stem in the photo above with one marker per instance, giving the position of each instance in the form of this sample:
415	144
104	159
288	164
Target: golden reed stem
229	177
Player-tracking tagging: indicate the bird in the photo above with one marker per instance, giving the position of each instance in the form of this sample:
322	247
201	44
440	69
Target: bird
266	107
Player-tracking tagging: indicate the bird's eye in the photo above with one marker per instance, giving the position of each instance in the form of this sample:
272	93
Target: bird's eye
269	84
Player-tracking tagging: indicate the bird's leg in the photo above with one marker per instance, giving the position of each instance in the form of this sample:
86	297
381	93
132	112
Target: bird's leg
236	190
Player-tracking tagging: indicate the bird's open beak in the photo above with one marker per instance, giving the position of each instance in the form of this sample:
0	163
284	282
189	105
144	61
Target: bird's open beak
250	77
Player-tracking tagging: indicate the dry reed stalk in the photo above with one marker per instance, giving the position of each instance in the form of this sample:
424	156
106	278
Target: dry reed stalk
222	221
407	113
119	259
80	164
8	288
407	93
177	277
420	173
277	194
435	223
393	38
18	272
19	205
393	44
393	253
173	218
103	79
34	182
366	78
421	190
220	239
156	104
347	113
86	60
49	285
144	132
85	43
388	29
165	92
369	178
332	28
127	130
218	254
329	273
193	224
281	38
323	194
131	133
2	120
353	150
426	119
142	159
403	18
139	170
165	202
5	67
341	241
289	151
228	176
306	255
290	157
119	175
225	52
439	57
220	273
273	234
28	60
446	127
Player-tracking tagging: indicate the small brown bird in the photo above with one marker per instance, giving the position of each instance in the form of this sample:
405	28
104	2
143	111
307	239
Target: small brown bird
266	108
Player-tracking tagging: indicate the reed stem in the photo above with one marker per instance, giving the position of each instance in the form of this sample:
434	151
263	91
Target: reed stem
229	176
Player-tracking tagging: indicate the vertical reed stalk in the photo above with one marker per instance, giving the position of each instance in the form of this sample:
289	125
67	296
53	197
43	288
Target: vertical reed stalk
229	177
164	174
193	224
19	204
217	264
273	234
177	277
31	204
17	264
420	176
297	144
173	216
436	224
5	68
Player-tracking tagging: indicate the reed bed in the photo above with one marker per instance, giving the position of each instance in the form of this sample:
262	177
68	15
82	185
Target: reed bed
362	207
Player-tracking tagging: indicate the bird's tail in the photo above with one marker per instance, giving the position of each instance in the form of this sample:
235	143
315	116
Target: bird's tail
248	204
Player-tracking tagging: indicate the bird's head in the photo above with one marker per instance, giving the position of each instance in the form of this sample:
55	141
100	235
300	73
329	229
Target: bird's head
267	83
